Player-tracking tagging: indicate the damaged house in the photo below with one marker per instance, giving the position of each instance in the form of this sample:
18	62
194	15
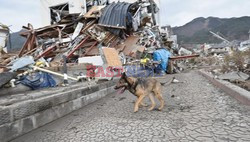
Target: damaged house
54	11
218	49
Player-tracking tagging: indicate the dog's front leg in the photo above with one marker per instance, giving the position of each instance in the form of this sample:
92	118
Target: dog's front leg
138	101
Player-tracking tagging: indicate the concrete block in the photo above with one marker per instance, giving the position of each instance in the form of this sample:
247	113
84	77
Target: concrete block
23	109
64	108
93	89
9	131
103	86
84	91
77	104
110	90
77	93
37	94
92	97
84	100
103	93
28	124
5	116
43	104
61	98
45	117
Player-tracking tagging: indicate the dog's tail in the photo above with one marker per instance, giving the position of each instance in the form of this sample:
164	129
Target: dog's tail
169	82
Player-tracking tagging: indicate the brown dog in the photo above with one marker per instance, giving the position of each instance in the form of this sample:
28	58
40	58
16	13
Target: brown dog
142	88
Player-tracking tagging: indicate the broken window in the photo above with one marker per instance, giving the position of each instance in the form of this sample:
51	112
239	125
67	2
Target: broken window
58	12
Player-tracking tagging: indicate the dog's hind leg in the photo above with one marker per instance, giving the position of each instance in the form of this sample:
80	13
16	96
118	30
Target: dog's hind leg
139	100
159	97
152	102
143	104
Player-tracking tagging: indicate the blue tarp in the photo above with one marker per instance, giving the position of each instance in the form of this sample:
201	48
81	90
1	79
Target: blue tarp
139	71
39	80
161	55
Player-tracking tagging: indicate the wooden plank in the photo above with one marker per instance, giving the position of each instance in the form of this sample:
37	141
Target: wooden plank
130	43
29	44
116	27
31	51
89	49
184	57
112	57
71	67
47	51
28	40
91	23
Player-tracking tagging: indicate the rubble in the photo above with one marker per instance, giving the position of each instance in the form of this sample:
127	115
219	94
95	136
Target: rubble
232	76
233	67
184	51
109	35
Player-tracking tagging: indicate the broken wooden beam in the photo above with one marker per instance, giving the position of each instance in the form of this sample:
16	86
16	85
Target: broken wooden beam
77	47
184	57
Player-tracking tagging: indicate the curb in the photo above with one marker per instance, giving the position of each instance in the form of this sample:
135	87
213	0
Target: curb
20	117
240	94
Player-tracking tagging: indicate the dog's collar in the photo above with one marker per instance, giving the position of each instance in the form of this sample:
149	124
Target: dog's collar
133	85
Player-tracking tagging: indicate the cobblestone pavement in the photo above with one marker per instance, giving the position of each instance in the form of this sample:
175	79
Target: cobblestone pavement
197	112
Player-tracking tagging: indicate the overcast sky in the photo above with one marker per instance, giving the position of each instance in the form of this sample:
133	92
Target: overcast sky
174	12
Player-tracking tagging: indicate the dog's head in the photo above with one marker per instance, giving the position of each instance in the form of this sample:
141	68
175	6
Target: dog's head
122	84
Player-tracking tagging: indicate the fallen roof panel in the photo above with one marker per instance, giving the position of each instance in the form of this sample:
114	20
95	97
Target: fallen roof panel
114	15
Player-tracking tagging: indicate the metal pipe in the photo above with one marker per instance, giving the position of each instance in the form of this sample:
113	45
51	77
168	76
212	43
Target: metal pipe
54	73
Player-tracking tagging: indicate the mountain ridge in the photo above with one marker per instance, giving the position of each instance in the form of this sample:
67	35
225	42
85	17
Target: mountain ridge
197	30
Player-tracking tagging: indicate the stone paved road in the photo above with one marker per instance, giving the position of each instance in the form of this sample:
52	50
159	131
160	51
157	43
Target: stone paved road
197	112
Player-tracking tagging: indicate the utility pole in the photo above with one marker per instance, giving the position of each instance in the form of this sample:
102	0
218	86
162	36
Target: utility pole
159	13
153	11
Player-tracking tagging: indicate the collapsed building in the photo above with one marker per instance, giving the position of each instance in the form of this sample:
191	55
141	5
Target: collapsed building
80	36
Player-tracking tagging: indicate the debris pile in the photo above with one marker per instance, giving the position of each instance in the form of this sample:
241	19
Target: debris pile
234	68
107	35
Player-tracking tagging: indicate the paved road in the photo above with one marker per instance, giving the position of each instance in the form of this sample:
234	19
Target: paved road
197	112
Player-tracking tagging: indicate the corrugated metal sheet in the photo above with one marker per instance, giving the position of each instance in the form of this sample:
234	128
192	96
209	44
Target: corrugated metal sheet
114	16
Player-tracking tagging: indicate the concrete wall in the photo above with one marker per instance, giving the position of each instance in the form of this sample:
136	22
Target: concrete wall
3	37
23	113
